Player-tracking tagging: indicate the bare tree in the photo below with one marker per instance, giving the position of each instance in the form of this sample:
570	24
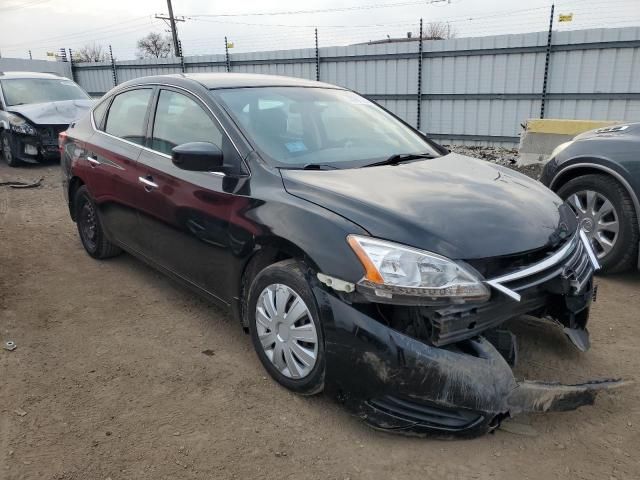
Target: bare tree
154	45
90	53
438	31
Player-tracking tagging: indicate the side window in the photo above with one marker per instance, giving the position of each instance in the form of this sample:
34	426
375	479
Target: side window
98	114
127	113
178	120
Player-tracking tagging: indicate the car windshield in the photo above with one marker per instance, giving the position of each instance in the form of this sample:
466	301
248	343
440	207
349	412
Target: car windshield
296	127
19	91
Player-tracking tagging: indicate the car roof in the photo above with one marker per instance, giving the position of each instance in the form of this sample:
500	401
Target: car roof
234	80
7	75
213	81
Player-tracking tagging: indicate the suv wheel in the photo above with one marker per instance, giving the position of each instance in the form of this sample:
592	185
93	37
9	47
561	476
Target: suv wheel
7	150
285	327
606	213
90	227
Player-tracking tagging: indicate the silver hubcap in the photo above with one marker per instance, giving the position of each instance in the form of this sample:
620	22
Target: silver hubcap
286	331
598	219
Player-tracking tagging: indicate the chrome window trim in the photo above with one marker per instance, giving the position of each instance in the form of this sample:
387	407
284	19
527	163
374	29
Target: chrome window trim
142	85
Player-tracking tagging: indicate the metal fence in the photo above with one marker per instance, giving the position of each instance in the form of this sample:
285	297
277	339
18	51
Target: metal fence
43	66
466	90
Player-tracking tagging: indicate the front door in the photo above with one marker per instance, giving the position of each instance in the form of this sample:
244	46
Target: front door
184	215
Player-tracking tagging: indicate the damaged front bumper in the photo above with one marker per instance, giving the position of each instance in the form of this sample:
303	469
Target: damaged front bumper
446	368
398	383
40	147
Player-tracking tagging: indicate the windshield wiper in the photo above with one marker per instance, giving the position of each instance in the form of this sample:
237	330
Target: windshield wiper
319	166
400	157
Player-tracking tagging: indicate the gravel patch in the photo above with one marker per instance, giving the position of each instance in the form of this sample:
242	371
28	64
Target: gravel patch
506	157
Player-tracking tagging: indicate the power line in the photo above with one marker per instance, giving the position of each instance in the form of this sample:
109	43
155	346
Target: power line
20	6
322	10
111	27
135	29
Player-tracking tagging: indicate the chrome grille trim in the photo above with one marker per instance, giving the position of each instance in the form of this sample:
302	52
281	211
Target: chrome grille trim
574	252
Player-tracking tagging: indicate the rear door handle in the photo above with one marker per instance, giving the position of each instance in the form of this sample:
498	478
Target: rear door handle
148	183
93	161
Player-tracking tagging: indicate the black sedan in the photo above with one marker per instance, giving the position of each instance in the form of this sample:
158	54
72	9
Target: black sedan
363	258
598	174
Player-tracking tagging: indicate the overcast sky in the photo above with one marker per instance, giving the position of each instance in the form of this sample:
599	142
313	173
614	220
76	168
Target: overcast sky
47	25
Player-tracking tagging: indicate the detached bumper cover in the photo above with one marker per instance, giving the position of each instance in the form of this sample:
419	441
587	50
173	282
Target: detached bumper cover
398	383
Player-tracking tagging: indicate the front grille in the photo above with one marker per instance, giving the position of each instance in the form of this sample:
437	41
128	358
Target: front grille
427	415
575	267
455	323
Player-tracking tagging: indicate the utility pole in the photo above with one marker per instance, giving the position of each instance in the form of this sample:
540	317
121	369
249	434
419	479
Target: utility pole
174	31
172	20
547	59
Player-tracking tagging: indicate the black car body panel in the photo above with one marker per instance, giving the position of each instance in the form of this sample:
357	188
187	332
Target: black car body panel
414	203
404	367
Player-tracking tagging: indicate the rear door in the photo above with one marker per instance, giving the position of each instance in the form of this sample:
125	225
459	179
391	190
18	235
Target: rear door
112	154
184	215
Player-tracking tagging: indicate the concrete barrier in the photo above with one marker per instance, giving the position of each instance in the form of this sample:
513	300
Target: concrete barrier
542	135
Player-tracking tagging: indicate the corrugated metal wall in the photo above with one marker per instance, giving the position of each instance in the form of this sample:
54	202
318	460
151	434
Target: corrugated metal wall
474	90
43	66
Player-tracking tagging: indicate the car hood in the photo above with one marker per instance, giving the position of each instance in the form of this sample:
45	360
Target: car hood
53	113
614	131
453	205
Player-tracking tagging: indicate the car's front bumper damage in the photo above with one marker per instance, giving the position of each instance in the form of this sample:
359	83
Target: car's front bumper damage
398	383
447	369
40	147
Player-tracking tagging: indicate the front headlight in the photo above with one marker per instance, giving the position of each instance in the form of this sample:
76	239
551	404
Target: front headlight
393	270
20	125
559	149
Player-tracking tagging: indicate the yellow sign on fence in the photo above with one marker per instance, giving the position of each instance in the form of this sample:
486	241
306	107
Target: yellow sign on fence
567	17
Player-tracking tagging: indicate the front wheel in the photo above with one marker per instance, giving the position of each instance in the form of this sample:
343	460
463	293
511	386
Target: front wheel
7	150
285	327
607	215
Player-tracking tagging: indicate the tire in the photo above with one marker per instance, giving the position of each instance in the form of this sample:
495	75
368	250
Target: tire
8	153
90	227
623	255
287	277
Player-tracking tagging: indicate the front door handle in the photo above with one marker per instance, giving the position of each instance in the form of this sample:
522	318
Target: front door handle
93	161
148	183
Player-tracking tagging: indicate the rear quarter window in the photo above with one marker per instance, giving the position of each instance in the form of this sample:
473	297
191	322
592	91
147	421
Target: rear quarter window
99	113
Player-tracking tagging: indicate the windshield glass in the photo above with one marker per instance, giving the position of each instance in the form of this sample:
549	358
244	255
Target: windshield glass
18	91
296	126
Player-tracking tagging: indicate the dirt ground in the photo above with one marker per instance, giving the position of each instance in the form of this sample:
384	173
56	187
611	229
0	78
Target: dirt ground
110	380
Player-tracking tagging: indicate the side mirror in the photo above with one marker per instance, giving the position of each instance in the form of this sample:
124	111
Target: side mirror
198	157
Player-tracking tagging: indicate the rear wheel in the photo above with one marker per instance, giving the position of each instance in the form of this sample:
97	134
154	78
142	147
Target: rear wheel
90	228
7	150
285	327
606	213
